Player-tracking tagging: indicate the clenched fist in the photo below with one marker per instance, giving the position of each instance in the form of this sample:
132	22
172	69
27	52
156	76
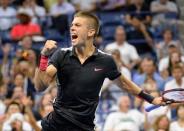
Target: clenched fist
49	47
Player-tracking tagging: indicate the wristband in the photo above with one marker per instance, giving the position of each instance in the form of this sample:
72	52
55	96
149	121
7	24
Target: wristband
43	62
146	96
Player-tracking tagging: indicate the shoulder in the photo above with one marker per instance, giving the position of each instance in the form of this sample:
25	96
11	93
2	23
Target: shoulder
62	51
111	46
127	45
105	55
174	124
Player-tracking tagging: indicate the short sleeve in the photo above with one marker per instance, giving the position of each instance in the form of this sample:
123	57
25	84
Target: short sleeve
112	70
55	58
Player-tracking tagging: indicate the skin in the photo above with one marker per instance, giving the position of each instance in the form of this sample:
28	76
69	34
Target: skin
84	48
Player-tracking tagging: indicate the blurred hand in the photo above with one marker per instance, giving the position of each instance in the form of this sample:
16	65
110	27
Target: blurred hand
26	101
49	47
159	101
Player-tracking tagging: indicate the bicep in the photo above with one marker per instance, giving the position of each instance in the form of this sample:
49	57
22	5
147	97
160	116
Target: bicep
51	71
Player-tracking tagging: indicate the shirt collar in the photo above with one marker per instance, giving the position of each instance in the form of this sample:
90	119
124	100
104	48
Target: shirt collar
73	53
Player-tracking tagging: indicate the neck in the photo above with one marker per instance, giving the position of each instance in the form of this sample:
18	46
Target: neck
4	7
120	42
181	121
179	81
85	51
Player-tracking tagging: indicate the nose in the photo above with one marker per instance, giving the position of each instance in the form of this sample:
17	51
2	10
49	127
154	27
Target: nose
72	28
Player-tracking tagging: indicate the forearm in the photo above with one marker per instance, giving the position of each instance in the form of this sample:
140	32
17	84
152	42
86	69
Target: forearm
129	85
41	80
134	89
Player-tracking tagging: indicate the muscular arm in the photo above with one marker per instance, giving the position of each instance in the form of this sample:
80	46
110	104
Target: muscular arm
128	85
44	78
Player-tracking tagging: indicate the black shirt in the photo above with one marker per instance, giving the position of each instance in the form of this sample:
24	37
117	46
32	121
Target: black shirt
79	84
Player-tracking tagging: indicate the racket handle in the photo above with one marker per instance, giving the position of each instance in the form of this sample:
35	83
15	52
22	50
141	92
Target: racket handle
150	108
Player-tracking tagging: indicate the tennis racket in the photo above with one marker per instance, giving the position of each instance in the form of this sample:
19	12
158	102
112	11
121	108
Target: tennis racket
170	96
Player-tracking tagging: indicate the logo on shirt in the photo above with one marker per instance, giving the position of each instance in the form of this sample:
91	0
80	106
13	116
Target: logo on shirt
97	69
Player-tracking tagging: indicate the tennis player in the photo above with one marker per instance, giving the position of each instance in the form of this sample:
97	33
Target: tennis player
79	72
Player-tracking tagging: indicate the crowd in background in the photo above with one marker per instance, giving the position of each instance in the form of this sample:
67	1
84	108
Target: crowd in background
144	43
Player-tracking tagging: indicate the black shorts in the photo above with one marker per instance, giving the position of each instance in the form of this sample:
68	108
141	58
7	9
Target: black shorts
53	122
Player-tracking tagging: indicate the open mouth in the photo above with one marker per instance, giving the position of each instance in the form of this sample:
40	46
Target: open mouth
74	36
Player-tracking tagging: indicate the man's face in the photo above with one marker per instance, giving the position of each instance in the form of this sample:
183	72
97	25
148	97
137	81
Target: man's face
4	3
163	1
177	73
168	35
79	31
120	35
148	67
125	103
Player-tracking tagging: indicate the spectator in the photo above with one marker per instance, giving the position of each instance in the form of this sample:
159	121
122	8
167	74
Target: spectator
7	15
36	12
162	123
178	81
128	52
138	13
154	115
178	124
6	61
15	119
125	118
25	27
149	74
167	41
141	37
87	5
48	4
167	63
160	7
61	12
62	7
111	5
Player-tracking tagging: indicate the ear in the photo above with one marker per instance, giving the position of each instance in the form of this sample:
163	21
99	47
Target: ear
91	32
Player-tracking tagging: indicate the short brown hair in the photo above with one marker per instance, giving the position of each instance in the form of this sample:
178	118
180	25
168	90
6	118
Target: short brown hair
177	66
94	18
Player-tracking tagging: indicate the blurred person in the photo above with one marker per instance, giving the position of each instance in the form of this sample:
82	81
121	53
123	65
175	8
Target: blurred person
149	74
167	41
87	5
48	4
46	109
74	108
167	63
128	52
160	7
28	113
151	117
18	81
61	7
162	123
178	125
15	119
125	118
178	81
24	67
111	5
61	13
25	27
26	44
7	15
16	96
6	60
36	12
138	13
